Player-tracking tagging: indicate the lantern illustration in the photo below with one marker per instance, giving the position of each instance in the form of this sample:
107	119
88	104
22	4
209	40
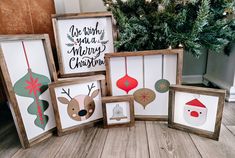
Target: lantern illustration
118	113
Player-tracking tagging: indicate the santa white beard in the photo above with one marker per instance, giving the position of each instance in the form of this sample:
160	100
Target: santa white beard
195	116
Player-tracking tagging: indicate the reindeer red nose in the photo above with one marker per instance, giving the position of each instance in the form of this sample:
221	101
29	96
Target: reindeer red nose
194	114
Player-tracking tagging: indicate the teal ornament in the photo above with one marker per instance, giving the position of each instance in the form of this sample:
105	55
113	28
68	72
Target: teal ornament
162	86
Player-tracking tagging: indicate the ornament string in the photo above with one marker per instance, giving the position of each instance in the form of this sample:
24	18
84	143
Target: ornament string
126	65
162	66
39	111
143	72
25	54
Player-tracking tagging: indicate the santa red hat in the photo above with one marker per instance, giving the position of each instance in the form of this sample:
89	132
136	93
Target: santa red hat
195	102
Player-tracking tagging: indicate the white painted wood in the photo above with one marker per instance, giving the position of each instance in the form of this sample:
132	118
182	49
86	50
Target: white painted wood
83	51
206	119
221	71
92	5
152	73
78	92
67	6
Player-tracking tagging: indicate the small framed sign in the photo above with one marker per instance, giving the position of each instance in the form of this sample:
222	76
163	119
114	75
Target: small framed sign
77	102
27	67
118	111
146	75
196	110
82	40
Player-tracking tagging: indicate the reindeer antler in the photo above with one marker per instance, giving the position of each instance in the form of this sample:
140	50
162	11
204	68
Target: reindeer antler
90	88
68	93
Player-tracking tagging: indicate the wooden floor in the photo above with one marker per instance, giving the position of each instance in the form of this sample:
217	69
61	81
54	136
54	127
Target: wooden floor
146	139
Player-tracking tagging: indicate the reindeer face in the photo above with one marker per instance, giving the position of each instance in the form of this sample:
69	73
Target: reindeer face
81	107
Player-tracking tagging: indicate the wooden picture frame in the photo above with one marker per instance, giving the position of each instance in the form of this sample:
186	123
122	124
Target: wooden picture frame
137	72
27	60
196	110
79	52
68	106
126	116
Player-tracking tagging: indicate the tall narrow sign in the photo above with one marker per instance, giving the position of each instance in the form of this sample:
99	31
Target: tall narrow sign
27	67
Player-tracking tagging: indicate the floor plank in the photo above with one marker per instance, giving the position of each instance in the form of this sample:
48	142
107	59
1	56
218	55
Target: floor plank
232	129
97	144
78	144
166	142
137	146
224	148
48	149
9	141
229	114
116	143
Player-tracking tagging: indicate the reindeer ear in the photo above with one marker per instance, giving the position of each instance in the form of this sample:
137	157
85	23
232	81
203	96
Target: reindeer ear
63	100
95	93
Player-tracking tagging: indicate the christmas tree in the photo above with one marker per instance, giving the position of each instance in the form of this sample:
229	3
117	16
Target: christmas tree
160	24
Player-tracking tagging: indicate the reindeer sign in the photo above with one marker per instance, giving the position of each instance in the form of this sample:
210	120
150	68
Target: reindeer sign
80	107
77	102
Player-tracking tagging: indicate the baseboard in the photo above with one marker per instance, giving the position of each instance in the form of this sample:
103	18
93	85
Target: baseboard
192	79
230	89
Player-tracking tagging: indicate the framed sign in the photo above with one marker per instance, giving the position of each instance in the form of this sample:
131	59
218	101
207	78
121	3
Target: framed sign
82	40
196	110
118	111
77	102
147	75
27	67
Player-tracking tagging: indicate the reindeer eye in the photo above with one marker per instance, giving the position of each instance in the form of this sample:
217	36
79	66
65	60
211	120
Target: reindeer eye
72	108
188	110
200	112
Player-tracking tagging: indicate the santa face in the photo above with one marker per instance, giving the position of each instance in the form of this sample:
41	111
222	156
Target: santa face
194	115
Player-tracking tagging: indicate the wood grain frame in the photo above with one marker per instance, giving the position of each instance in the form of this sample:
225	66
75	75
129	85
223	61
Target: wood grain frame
8	86
57	17
124	98
72	81
198	90
178	52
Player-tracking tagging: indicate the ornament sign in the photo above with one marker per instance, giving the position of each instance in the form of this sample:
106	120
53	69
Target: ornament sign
28	67
146	75
82	42
197	110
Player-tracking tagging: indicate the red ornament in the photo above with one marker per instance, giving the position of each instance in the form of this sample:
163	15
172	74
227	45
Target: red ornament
127	83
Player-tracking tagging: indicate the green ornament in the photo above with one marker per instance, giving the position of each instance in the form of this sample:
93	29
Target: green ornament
162	85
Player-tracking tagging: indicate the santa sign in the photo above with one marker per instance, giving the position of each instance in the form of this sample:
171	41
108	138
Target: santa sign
195	113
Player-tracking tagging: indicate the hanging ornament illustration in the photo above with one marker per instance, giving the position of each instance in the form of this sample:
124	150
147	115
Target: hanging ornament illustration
195	112
162	85
127	83
118	113
144	96
32	85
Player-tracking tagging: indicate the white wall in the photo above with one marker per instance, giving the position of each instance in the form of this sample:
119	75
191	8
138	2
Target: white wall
193	69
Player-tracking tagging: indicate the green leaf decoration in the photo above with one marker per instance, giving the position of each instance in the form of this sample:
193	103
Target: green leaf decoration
33	85
70	44
70	38
102	36
104	42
